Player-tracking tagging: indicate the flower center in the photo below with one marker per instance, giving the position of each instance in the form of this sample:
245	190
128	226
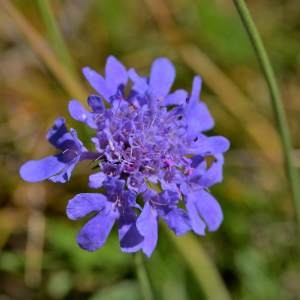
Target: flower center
140	139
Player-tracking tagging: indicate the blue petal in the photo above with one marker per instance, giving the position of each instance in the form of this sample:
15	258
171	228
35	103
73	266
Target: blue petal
147	226
97	82
83	204
209	145
214	174
196	89
171	186
136	183
209	209
96	180
178	221
38	170
65	174
77	111
114	186
78	143
139	84
130	238
197	113
58	134
58	167
197	224
96	104
217	144
115	74
199	118
169	198
66	141
161	77
94	233
176	98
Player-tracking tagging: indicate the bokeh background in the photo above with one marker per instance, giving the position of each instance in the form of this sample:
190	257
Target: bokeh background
254	252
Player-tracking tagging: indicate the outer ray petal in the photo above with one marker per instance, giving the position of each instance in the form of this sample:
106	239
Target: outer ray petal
161	77
147	226
77	111
94	233
39	170
178	221
83	204
116	74
209	145
139	83
97	82
177	98
65	174
197	113
209	209
197	224
130	238
215	172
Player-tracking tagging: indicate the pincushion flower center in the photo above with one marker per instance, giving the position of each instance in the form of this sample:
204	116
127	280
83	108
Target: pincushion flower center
140	139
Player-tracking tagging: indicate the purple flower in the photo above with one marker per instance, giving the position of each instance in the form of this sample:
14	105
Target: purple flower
117	205
57	168
149	144
160	205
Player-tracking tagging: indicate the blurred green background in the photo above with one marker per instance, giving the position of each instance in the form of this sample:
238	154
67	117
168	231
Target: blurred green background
40	61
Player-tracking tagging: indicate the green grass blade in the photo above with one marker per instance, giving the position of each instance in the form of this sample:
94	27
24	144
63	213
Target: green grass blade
142	276
264	61
201	265
44	51
55	35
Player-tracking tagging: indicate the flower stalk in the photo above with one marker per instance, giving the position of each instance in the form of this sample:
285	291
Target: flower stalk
142	277
55	35
264	61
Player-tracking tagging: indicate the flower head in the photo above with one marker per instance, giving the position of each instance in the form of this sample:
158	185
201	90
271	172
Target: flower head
149	145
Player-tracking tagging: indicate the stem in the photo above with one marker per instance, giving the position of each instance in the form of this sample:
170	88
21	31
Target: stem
201	265
55	35
278	109
142	275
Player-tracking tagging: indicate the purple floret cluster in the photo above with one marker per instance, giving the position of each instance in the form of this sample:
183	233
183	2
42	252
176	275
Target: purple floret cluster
151	158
